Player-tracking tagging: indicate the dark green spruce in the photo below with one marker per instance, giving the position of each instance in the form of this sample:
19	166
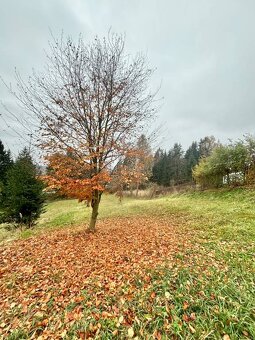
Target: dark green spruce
23	193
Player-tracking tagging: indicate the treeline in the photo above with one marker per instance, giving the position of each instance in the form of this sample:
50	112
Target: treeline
138	169
174	167
21	190
207	163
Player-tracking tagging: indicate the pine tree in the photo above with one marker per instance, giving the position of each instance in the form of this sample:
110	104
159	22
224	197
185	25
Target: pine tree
191	159
157	167
168	166
24	197
176	164
165	170
5	165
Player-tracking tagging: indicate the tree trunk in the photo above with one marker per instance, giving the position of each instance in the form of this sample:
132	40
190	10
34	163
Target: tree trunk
131	191
121	193
95	205
228	178
137	189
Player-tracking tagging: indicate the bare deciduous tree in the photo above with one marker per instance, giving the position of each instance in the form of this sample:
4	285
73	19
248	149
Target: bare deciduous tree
92	102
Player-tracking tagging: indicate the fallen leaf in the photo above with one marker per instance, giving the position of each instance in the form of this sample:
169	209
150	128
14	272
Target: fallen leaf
193	316
226	337
185	305
185	318
192	329
131	332
38	315
121	319
167	295
63	334
153	295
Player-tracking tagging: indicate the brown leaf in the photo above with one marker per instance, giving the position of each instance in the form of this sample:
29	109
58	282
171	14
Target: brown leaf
185	318
192	329
131	332
106	315
153	295
70	260
226	337
185	305
192	316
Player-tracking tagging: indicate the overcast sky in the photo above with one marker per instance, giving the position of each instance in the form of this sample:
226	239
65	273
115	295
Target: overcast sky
204	52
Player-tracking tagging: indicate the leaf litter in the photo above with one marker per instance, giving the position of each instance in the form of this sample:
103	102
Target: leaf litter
49	282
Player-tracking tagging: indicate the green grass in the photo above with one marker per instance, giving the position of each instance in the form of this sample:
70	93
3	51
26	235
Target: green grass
225	214
209	289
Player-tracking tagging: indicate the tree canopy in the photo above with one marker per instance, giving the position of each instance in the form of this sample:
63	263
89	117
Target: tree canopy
228	164
91	102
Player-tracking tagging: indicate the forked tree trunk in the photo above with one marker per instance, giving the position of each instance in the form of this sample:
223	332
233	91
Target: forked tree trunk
95	205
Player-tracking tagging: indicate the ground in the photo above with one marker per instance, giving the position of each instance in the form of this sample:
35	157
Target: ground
177	267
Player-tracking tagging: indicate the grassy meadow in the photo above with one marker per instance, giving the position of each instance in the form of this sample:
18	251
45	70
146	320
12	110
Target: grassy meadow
194	281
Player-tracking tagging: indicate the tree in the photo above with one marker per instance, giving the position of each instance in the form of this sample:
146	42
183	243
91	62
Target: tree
156	168
227	164
135	169
238	162
142	162
202	173
24	197
176	164
191	159
160	169
168	168
207	145
120	179
249	142
5	162
92	102
5	165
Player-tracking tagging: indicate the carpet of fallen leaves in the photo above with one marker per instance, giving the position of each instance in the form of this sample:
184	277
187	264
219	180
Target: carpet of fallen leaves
42	276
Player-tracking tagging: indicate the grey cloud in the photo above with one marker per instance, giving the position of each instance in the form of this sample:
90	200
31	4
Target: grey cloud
204	53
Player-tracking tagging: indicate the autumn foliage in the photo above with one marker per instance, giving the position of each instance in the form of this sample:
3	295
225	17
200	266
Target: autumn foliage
134	169
71	177
90	106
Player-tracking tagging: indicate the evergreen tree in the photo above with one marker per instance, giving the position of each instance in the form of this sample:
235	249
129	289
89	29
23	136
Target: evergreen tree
160	169
5	165
164	170
191	159
24	197
5	162
157	168
176	165
168	166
